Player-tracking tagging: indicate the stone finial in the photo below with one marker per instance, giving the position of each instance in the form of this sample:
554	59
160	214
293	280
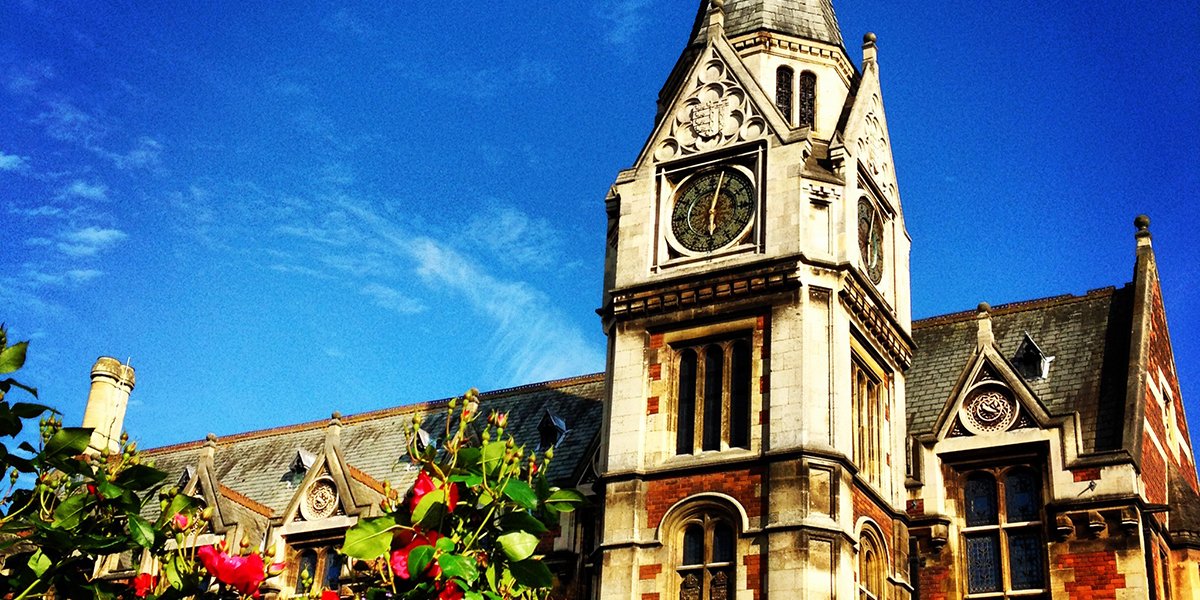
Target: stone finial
209	449
210	439
870	51
716	19
984	336
1142	222
335	418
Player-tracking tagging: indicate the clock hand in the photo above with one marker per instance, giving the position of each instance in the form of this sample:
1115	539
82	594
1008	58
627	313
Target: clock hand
712	206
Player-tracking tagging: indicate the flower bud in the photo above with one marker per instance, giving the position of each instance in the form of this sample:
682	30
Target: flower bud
207	513
549	453
453	403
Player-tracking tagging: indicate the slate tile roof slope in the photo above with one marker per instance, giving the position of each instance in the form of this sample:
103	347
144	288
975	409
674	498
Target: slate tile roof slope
809	19
254	464
1088	336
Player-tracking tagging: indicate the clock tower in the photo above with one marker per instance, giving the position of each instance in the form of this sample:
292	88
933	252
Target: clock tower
757	311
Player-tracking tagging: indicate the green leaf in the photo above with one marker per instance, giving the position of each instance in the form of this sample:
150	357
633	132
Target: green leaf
26	410
140	477
565	500
454	565
69	514
472	596
419	559
445	544
531	573
522	521
12	358
428	501
370	538
68	441
142	532
468	458
518	491
518	545
39	563
171	572
493	454
13	382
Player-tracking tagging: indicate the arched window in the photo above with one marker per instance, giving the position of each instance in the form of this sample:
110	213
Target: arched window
783	91
333	570
707	559
872	567
808	99
306	571
713	396
1005	552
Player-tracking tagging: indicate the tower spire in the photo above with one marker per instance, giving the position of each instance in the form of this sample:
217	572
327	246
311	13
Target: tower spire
809	19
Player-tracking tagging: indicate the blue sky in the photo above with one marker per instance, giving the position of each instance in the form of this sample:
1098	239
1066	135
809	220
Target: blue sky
278	211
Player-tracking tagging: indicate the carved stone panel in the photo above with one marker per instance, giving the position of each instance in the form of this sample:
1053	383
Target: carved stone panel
717	112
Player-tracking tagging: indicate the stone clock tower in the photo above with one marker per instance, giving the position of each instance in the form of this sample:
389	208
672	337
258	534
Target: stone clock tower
757	311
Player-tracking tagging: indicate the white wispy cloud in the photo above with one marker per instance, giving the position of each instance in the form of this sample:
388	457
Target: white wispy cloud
44	210
514	238
623	20
530	338
89	241
86	191
144	154
83	275
391	299
12	162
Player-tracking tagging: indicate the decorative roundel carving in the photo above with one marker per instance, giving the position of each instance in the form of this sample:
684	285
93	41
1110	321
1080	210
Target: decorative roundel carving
321	500
989	410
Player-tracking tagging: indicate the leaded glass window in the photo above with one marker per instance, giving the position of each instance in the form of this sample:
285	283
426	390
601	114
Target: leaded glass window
712	396
706	564
808	99
872	568
783	91
1003	543
869	399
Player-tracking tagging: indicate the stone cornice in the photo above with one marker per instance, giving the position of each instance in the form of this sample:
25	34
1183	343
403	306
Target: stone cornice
880	325
706	289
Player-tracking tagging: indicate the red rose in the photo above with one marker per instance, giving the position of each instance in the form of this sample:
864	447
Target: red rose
450	592
410	541
242	573
425	484
143	584
330	595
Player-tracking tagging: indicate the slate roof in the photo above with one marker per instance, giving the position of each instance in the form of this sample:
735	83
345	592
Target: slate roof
254	464
809	19
1088	336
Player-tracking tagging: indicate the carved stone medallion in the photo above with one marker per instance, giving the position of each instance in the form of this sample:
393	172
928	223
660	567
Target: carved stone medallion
715	112
989	410
321	501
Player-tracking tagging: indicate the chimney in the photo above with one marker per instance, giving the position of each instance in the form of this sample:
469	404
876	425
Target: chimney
105	414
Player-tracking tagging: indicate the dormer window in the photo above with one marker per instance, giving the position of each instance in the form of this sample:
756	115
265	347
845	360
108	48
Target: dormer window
189	472
551	431
1030	361
301	463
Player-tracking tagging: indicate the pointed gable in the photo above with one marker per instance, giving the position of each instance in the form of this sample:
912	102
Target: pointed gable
1088	336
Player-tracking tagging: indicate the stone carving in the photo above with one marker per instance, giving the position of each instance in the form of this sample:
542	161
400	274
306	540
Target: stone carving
989	410
873	147
717	112
321	501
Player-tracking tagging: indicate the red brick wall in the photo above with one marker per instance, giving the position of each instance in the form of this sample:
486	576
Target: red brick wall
1095	574
743	484
937	578
864	506
753	563
1162	359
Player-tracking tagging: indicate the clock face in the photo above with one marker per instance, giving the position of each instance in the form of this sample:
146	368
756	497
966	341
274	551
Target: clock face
712	209
870	239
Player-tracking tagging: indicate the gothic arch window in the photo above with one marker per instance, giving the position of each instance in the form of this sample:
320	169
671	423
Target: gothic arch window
317	568
784	77
706	556
872	566
1002	533
808	99
712	395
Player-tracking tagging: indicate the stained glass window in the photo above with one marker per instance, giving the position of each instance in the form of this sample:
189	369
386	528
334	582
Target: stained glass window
333	569
706	565
981	500
306	569
1004	549
783	91
808	99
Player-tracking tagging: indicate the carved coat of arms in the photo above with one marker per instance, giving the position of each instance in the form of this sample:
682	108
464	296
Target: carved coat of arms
706	118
